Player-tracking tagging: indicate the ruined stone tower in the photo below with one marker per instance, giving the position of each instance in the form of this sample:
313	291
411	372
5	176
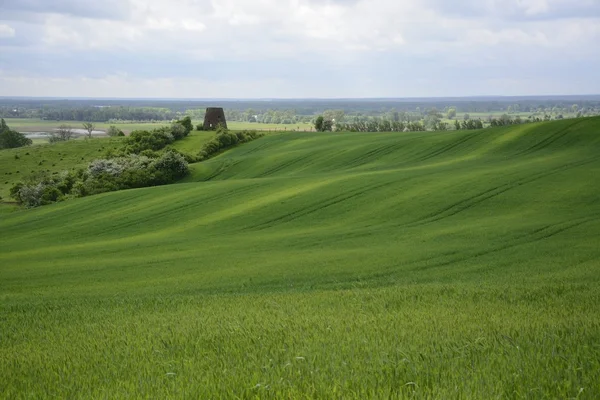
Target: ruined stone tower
213	117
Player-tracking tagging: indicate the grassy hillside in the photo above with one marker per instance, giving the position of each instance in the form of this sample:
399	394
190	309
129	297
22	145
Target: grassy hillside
194	142
15	164
429	265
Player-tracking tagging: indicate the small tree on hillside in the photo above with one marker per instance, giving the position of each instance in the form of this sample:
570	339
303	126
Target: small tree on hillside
319	123
89	127
62	134
10	139
323	125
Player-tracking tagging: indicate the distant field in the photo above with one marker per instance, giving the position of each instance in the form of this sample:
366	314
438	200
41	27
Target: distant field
429	265
37	125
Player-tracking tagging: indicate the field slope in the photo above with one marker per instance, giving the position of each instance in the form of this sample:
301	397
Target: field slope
303	265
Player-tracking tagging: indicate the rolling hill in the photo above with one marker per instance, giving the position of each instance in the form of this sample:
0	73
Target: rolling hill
430	264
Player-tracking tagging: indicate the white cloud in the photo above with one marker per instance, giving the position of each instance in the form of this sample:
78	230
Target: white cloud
357	38
6	31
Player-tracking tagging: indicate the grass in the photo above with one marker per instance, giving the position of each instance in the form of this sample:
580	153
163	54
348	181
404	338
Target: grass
421	265
16	164
193	143
38	125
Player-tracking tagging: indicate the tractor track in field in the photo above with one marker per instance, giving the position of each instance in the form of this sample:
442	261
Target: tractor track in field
370	155
549	140
479	198
282	166
170	211
448	147
315	207
536	235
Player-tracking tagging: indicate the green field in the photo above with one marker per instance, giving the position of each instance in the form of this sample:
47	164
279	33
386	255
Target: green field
38	125
442	265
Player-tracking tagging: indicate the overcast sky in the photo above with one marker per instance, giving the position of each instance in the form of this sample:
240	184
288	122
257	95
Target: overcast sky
298	48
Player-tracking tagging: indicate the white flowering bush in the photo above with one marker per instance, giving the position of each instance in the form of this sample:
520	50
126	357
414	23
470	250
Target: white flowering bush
172	164
31	195
110	167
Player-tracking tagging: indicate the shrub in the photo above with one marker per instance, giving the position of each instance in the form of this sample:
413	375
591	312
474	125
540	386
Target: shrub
155	140
102	166
30	195
178	131
61	134
114	131
187	125
224	140
172	165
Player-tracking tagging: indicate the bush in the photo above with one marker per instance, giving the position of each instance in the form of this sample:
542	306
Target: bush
110	167
224	140
178	131
154	140
62	134
169	167
42	189
187	125
114	131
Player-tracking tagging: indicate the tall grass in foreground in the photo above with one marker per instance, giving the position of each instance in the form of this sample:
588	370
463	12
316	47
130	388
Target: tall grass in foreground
421	341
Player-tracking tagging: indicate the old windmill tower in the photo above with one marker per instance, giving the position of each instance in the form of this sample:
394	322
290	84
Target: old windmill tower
213	117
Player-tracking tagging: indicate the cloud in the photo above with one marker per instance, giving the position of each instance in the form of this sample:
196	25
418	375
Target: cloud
272	48
6	31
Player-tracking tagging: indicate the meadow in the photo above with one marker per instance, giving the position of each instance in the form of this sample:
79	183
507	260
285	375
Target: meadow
38	125
460	264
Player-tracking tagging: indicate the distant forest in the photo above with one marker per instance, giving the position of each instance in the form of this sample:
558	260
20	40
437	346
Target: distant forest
297	111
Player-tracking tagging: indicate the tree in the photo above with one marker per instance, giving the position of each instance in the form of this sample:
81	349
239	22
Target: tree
10	139
62	134
89	127
451	113
323	125
187	124
574	108
466	117
319	123
333	115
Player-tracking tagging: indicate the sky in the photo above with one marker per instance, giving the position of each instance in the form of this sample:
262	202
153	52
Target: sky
298	48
